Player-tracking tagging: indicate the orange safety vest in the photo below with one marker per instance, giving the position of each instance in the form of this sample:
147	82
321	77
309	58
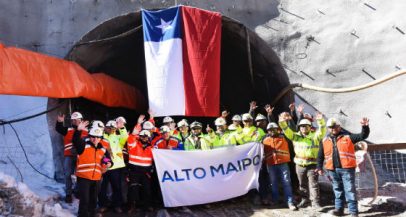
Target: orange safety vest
276	150
172	143
89	163
139	156
67	140
346	150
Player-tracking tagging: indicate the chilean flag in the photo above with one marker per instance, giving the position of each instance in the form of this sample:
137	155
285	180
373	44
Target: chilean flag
182	56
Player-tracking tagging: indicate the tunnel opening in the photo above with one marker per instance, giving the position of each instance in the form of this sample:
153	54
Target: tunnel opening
250	70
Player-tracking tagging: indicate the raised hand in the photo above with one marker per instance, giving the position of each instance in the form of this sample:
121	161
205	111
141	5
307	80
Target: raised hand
208	129
365	121
300	108
253	105
141	119
224	114
61	118
292	107
284	116
319	116
269	109
151	114
82	125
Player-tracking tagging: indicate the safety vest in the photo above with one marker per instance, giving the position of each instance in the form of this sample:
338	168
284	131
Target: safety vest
276	150
346	151
171	143
88	164
139	156
201	143
117	143
227	139
67	140
250	134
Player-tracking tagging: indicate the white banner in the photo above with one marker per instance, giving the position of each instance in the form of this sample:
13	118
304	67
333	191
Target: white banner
199	177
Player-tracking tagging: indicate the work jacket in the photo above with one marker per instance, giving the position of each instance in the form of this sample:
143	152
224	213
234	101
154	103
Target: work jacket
306	147
193	142
117	143
346	152
218	141
140	155
276	150
250	134
67	132
172	143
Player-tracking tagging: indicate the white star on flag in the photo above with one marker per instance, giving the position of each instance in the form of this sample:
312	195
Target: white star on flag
165	26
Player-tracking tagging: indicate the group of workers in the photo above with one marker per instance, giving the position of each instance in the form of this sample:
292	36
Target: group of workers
101	155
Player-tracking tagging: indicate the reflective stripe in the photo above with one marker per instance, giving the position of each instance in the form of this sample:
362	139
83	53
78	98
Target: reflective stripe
140	164
88	170
87	165
347	153
140	158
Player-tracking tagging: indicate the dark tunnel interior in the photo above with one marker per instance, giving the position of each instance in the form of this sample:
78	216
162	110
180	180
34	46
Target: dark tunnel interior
116	47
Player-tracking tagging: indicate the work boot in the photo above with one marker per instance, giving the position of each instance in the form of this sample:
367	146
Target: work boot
317	207
292	207
68	198
303	203
118	210
337	212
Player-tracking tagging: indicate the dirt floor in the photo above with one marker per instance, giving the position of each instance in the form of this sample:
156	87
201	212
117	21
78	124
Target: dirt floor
245	206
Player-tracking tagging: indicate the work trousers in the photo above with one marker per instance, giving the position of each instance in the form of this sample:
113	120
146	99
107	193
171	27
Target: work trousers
69	165
308	183
113	177
87	190
344	189
280	172
140	188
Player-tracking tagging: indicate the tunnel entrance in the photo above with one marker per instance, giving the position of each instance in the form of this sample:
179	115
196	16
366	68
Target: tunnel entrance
250	70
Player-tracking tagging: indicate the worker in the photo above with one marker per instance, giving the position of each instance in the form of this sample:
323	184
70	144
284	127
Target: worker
338	153
221	137
183	128
249	133
306	147
168	121
261	121
90	156
237	121
167	141
69	152
196	140
114	175
277	157
140	172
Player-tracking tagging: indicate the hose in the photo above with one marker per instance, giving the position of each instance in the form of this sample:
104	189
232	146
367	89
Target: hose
337	90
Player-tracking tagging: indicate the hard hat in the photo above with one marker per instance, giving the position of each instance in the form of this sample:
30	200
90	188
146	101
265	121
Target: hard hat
331	122
111	124
96	131
304	121
236	118
232	127
182	123
167	120
272	125
121	119
165	129
246	117
97	123
76	115
147	125
220	122
260	117
145	133
196	124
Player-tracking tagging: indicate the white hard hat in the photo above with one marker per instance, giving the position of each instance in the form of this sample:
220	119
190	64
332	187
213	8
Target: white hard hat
246	117
232	127
167	120
76	115
96	131
182	123
111	124
220	122
145	133
165	129
331	122
196	124
147	125
236	118
260	117
272	125
304	121
97	123
121	119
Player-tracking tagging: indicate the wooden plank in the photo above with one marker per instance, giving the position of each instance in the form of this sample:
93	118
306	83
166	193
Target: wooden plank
384	147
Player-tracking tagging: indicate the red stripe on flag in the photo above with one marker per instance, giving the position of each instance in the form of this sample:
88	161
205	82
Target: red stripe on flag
201	61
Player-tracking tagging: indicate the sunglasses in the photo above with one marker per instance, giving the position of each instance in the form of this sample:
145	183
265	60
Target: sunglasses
97	137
